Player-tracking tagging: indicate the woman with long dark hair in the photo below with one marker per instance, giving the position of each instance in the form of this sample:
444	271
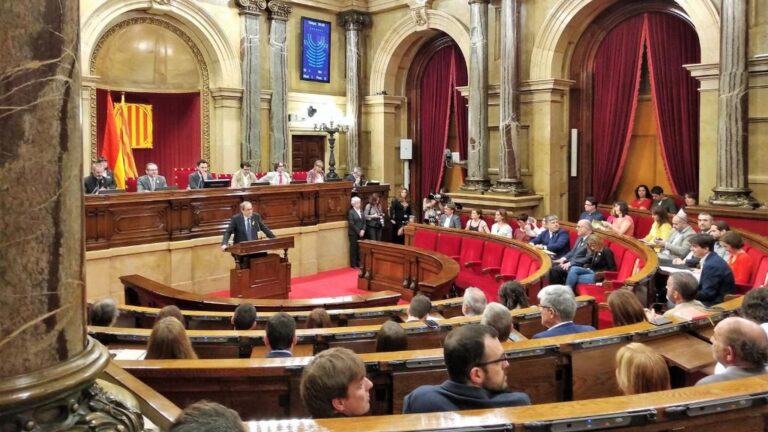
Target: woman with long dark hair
400	211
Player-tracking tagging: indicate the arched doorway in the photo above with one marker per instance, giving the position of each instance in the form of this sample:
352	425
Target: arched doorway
635	107
437	114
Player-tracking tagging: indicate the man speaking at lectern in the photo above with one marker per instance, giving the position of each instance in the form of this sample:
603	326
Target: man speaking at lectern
245	226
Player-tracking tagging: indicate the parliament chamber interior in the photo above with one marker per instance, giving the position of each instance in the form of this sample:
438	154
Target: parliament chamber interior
400	215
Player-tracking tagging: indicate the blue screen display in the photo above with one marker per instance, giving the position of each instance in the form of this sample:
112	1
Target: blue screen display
315	50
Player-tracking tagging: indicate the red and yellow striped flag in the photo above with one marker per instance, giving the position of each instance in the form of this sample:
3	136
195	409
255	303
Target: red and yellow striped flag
116	147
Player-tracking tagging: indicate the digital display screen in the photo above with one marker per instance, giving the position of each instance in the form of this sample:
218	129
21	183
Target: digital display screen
315	50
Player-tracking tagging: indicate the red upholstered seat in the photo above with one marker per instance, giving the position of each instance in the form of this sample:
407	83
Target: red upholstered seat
761	273
463	217
524	265
508	269
223	176
130	184
493	253
482	275
449	244
425	239
618	251
604	317
628	265
299	176
642	225
259	175
181	177
471	252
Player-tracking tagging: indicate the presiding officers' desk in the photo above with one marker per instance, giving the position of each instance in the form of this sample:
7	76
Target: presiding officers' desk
128	219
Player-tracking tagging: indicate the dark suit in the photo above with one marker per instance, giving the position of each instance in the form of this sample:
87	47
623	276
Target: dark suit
716	280
196	181
356	182
577	256
91	184
356	224
556	243
144	184
453	396
565	329
455	221
237	226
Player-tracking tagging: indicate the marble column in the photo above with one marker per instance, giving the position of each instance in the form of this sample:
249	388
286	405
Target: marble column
278	73
732	127
477	158
250	54
509	104
353	22
48	363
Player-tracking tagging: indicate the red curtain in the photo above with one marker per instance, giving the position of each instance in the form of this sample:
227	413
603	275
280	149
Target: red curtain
175	124
672	43
460	104
438	95
616	84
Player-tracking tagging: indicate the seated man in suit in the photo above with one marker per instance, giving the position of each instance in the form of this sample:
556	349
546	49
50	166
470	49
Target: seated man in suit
280	335
356	177
199	176
243	177
678	244
278	176
553	238
150	181
577	256
245	226
558	307
98	181
449	219
477	370
741	346
681	292
334	384
716	278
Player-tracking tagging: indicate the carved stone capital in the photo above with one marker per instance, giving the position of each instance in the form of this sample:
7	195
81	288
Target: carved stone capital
354	20
251	7
279	10
479	1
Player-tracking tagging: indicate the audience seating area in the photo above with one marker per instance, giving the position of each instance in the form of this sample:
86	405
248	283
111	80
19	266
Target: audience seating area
227	343
572	367
485	261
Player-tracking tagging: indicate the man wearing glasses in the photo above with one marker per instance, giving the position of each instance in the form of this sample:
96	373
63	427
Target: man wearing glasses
558	307
477	370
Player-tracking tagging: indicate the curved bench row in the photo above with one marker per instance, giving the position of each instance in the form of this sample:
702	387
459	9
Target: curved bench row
571	367
361	339
141	291
485	260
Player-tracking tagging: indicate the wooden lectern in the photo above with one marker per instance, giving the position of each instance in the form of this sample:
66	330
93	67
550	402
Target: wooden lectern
259	274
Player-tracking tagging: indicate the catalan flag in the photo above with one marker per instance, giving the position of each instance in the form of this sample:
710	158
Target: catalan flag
136	120
117	148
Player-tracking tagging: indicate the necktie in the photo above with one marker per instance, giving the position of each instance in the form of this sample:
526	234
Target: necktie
248	228
279	178
152	183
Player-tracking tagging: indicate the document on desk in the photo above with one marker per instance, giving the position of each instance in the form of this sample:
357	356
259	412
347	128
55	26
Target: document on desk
670	270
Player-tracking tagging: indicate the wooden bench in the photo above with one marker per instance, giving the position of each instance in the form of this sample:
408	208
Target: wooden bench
579	366
144	317
361	339
141	291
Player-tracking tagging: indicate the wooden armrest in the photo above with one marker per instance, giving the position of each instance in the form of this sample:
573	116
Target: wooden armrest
491	270
471	263
504	277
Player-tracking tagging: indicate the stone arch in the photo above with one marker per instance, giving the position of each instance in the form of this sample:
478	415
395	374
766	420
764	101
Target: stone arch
403	40
568	19
221	58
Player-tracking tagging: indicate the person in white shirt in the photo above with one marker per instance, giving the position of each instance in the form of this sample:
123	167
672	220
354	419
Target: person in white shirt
278	176
501	227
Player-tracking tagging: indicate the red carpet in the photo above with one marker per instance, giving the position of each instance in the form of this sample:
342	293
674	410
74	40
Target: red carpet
332	283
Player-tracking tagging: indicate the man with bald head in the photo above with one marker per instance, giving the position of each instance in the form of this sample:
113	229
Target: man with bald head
741	346
577	256
678	244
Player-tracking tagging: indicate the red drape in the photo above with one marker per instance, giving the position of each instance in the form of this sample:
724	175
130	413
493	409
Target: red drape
443	73
672	43
460	104
616	84
176	130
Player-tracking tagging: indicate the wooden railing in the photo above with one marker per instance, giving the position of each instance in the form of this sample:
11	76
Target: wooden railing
229	343
404	269
141	291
